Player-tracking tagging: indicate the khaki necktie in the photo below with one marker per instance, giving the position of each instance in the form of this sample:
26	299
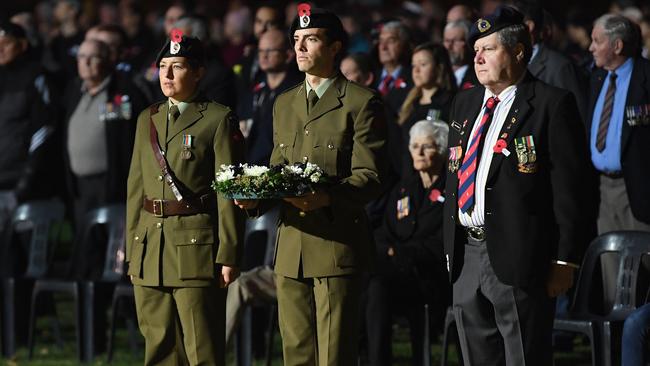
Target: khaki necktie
173	113
312	99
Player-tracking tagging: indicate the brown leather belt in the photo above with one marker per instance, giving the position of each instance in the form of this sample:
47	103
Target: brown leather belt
165	208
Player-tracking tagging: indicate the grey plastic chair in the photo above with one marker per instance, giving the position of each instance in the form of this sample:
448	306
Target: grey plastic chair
36	217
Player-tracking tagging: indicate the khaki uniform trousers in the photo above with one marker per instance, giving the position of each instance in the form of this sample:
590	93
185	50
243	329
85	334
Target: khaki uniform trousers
176	318
319	319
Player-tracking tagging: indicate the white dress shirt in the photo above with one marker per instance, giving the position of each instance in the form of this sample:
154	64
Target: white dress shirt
476	216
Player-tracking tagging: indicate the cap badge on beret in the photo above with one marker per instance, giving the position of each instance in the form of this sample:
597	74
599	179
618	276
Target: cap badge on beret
304	11
175	41
483	25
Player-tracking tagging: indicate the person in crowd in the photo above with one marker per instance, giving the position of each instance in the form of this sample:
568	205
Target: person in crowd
636	330
218	81
100	112
183	242
617	130
578	34
357	67
433	89
460	53
237	29
549	65
247	70
29	147
513	224
324	241
60	55
394	79
275	59
461	12
98	131
410	270
139	38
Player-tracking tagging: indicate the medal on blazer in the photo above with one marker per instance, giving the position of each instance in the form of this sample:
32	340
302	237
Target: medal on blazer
403	207
186	154
638	115
455	155
526	154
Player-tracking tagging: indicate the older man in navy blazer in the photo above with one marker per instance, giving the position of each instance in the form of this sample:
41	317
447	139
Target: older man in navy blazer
513	226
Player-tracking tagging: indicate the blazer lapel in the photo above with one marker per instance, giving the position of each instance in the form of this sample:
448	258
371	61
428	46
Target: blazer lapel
636	95
160	120
597	81
515	119
299	103
467	123
330	100
193	113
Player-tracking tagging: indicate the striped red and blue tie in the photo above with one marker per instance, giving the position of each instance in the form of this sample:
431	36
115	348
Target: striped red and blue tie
467	173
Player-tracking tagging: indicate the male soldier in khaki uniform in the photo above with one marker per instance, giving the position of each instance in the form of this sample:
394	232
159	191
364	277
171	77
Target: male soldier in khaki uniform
183	242
323	239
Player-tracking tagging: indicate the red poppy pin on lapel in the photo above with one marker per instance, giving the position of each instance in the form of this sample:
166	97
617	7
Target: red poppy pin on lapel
500	147
436	196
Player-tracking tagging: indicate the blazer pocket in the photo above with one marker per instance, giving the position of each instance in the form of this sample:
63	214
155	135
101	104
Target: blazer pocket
195	254
334	154
286	143
138	250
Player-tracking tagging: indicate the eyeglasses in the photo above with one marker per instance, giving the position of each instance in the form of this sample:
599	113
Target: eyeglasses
425	147
262	51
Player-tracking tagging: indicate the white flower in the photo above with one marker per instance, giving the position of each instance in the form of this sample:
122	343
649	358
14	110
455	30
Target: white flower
225	175
292	169
255	170
315	177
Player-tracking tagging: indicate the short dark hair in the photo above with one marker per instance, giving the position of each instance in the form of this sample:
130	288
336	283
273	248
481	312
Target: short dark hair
511	35
115	29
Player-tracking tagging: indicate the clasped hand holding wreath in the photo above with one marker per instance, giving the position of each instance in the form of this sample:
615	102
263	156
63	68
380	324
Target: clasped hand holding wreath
245	181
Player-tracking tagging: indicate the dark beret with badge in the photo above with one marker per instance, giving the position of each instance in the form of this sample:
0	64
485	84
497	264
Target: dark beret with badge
309	17
503	16
8	29
180	45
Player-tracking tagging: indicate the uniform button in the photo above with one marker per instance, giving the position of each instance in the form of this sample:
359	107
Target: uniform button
160	178
306	132
193	241
302	214
356	221
305	159
330	146
281	145
159	225
137	238
163	153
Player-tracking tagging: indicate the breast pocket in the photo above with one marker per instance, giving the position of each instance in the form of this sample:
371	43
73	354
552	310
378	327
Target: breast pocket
286	143
333	154
195	253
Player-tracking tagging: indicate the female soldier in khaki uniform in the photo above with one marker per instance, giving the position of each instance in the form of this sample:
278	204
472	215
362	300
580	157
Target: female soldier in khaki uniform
183	242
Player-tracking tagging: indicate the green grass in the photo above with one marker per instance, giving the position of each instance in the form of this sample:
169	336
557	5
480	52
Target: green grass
46	353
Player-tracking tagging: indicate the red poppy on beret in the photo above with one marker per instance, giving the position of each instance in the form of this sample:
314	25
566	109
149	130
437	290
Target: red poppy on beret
176	35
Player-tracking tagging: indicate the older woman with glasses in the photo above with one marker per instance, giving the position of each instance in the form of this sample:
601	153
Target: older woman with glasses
411	269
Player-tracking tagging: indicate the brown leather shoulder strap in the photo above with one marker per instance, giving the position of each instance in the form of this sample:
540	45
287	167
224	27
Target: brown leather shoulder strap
168	174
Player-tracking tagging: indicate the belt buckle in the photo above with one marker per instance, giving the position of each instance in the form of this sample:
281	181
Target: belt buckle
476	233
161	211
